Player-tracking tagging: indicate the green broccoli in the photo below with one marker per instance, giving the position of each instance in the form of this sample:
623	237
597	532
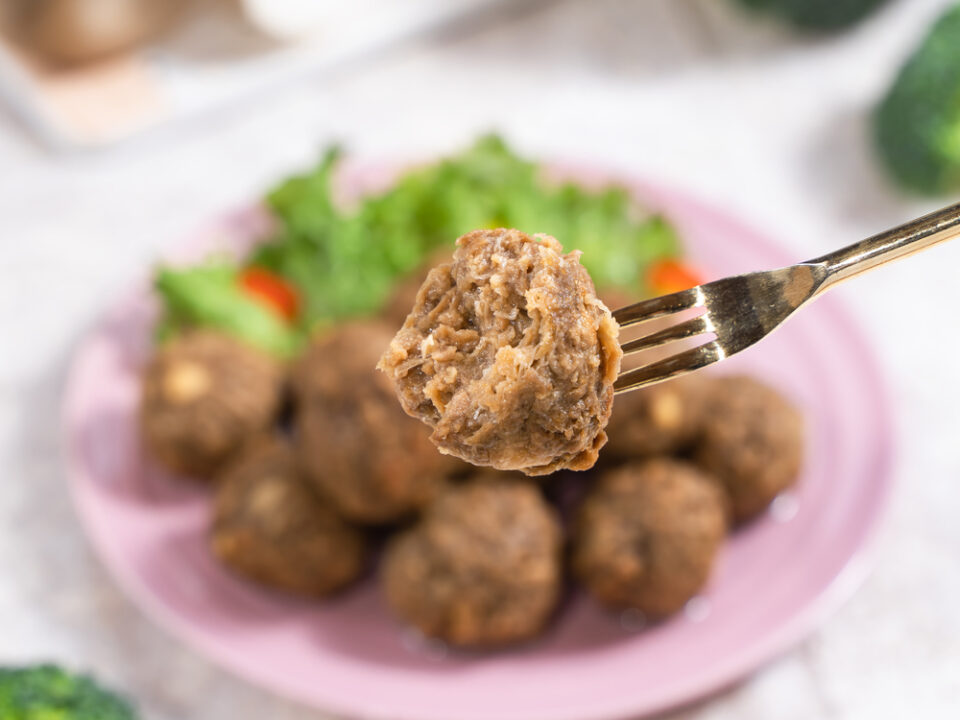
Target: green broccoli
917	125
46	692
817	15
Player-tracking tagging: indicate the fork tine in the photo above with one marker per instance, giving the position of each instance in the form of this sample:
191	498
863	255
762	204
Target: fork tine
680	331
658	306
679	364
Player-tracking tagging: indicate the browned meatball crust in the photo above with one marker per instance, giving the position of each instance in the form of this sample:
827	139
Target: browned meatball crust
354	442
509	356
659	420
482	568
647	534
271	526
752	441
204	395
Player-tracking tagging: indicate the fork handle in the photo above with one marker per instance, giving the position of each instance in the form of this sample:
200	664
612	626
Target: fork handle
904	240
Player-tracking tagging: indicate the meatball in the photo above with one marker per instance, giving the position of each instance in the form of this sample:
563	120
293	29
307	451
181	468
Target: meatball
509	356
204	395
272	527
752	440
662	419
647	534
354	442
404	295
482	568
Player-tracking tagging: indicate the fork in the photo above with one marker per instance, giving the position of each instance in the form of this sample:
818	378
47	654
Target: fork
740	311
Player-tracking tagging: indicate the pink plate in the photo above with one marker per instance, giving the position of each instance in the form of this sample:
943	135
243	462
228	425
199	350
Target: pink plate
776	580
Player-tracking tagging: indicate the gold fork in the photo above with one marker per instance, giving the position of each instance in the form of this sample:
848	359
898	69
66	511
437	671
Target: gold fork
739	311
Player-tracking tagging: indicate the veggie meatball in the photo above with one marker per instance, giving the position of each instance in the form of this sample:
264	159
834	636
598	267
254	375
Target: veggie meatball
509	356
481	569
354	442
272	527
662	419
752	441
204	395
404	295
647	534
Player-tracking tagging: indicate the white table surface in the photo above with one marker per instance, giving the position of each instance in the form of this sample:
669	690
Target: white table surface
743	114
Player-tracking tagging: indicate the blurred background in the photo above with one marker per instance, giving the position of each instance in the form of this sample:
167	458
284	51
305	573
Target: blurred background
125	125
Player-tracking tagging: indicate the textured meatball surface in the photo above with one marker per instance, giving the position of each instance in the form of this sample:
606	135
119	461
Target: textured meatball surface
482	568
647	534
752	440
509	356
404	294
354	442
271	526
659	420
204	395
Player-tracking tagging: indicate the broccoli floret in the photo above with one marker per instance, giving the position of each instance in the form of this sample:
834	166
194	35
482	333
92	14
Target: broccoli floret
818	15
48	693
917	125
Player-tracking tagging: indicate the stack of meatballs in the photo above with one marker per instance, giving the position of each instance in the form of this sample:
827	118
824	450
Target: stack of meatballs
312	460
